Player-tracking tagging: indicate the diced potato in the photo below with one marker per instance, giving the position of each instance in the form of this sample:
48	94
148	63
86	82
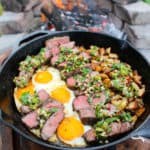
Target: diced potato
101	51
106	69
112	55
137	79
134	118
94	65
104	76
116	97
133	105
123	104
141	91
107	82
98	68
140	111
120	104
108	50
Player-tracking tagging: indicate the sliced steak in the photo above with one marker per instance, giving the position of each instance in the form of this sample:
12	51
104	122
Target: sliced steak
103	97
54	60
90	135
25	109
118	127
125	126
96	101
87	115
62	40
71	82
115	128
62	65
53	104
55	51
81	102
47	54
68	45
30	120
51	43
43	95
51	124
54	42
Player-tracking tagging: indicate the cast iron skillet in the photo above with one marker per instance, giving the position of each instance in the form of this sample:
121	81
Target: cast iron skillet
32	44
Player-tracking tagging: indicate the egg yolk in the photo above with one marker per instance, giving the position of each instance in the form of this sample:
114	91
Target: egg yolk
43	77
61	94
29	88
69	129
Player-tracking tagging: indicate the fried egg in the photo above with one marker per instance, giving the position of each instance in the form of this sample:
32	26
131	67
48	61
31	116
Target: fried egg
46	78
65	96
71	130
19	91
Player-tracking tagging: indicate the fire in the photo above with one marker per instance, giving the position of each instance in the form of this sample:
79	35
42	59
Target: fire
59	4
68	5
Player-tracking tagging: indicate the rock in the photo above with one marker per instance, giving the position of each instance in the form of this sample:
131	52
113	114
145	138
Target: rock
140	44
32	4
30	23
107	4
136	13
138	35
138	31
37	10
10	22
116	21
12	5
12	38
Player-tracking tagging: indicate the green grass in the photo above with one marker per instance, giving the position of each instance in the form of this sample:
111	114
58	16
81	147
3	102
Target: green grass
1	9
147	1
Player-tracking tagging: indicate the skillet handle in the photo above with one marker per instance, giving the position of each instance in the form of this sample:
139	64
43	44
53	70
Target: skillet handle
6	119
144	131
4	56
32	36
24	40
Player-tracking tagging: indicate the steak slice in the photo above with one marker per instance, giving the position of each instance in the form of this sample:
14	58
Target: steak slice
87	115
54	42
90	135
81	102
25	109
51	124
71	82
96	101
52	104
30	120
115	128
55	51
125	127
68	45
43	95
54	59
118	128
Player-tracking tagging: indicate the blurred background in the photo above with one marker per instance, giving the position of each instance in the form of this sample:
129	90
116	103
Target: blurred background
125	19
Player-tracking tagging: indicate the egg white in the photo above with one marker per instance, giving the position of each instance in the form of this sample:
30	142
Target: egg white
68	107
17	101
55	78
